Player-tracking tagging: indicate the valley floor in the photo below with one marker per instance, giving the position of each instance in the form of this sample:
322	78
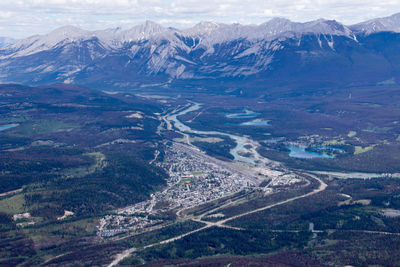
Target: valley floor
117	180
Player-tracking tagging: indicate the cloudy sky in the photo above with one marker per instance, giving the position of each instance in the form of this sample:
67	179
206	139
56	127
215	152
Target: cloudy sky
22	18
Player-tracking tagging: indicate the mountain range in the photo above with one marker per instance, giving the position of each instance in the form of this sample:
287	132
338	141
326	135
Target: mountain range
6	41
275	52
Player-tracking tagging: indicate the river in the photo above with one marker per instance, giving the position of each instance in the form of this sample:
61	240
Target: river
239	140
242	140
7	126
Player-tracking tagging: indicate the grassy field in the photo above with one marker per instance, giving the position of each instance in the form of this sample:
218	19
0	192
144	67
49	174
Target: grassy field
99	162
352	134
13	205
360	149
35	127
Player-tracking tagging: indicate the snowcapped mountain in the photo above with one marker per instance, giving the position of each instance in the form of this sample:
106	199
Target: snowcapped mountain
6	41
38	43
151	53
278	27
387	24
207	34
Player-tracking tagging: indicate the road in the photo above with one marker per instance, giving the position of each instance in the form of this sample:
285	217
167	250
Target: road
221	223
127	252
322	187
13	192
230	166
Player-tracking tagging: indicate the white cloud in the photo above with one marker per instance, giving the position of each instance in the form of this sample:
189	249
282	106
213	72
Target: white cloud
40	16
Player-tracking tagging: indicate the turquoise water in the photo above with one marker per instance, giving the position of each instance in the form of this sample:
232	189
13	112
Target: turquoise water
256	123
329	148
300	152
239	140
7	126
246	114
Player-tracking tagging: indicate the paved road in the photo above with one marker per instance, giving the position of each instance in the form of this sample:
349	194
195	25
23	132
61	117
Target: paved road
127	252
232	167
322	187
221	223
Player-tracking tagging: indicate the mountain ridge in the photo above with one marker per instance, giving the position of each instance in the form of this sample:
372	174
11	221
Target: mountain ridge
391	23
271	28
268	30
6	41
150	52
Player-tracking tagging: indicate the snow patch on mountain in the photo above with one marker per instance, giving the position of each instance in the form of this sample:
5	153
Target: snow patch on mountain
205	35
390	24
6	41
38	43
206	50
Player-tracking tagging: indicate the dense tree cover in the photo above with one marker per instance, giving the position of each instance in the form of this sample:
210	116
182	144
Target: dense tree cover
77	149
125	180
284	229
73	149
313	117
15	246
218	150
164	233
217	241
64	152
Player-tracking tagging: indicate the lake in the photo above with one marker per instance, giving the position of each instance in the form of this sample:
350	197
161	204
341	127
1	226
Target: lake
302	153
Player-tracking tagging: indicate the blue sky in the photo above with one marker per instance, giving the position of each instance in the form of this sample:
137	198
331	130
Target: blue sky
22	18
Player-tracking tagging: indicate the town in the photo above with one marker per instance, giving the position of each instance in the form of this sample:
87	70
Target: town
194	179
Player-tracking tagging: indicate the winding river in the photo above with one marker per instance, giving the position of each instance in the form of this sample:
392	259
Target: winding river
242	140
239	140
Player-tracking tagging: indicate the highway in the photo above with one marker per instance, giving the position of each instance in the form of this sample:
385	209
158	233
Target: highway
322	186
